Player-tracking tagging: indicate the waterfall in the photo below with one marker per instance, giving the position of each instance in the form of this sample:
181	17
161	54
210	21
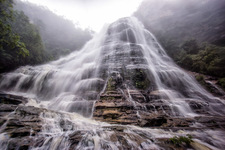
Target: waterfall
73	83
68	84
124	60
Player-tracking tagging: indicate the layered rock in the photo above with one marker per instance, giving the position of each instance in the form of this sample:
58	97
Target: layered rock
18	122
148	110
28	127
139	97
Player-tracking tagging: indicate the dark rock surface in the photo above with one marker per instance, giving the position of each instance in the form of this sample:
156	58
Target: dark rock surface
18	121
116	109
131	111
23	125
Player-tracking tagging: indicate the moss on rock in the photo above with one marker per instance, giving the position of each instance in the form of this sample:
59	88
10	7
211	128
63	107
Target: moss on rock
140	79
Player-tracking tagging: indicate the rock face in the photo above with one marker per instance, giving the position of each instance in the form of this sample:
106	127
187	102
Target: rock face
148	110
139	97
210	84
27	127
133	109
19	122
133	93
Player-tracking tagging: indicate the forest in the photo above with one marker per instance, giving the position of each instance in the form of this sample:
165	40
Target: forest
31	39
191	33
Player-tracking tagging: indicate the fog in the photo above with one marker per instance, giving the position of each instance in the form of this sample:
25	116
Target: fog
91	14
180	20
59	35
174	20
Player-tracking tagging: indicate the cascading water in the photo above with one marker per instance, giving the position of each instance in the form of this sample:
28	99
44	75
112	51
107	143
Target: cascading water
124	59
68	84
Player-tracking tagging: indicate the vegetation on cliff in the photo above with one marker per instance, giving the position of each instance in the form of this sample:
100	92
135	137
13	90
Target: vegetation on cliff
205	58
192	35
19	39
60	36
29	38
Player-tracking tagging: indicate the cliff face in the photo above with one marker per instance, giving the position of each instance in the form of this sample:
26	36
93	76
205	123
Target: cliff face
182	20
131	94
136	97
30	127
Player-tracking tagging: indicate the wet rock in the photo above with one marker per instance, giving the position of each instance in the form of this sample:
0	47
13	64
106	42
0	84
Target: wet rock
111	114
116	128
7	107
212	121
114	108
154	95
20	132
12	99
198	106
179	122
20	144
66	125
24	125
19	122
210	83
90	95
198	146
153	121
75	138
128	36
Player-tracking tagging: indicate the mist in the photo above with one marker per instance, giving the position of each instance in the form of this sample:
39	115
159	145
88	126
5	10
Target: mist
60	35
202	19
152	78
192	32
92	14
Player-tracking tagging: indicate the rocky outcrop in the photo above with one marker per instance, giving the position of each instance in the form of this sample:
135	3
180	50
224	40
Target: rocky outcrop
131	108
209	83
18	122
138	103
145	108
148	110
27	127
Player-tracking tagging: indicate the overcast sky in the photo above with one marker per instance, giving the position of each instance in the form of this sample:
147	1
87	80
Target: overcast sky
91	13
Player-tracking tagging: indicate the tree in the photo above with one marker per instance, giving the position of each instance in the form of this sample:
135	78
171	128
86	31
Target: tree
11	47
190	46
30	36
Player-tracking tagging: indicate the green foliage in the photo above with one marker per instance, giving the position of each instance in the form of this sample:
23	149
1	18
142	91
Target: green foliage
140	79
178	141
171	46
173	30
11	46
190	46
47	37
30	37
205	58
210	60
60	36
20	41
201	80
111	84
221	82
186	61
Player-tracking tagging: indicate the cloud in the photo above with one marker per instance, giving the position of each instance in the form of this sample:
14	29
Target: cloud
91	13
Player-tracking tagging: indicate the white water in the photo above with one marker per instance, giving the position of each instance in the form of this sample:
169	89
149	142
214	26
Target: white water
74	83
60	130
62	83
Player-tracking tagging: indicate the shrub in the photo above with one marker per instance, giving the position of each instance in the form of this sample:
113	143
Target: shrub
178	141
221	82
